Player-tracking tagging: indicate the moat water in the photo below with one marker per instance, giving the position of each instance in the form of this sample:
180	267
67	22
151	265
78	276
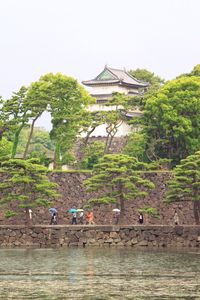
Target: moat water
99	273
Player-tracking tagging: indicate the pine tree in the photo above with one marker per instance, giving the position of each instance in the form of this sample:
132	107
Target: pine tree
185	185
117	180
27	184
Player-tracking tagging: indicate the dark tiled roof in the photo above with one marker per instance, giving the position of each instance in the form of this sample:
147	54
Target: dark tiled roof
111	76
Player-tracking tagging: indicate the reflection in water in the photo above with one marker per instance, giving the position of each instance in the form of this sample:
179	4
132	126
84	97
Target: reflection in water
98	273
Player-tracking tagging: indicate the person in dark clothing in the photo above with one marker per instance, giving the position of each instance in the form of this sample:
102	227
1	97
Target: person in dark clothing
117	217
53	219
141	219
74	221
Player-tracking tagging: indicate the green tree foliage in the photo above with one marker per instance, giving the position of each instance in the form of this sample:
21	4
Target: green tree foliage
89	122
147	76
116	179
111	117
152	211
185	185
68	102
154	81
62	96
113	120
3	125
5	147
171	119
194	72
16	116
92	153
40	146
37	100
27	184
136	146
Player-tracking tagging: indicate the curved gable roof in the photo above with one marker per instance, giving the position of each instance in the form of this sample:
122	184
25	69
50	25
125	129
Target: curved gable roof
111	75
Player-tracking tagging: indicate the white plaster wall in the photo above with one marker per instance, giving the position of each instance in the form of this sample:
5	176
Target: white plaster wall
100	107
123	130
109	89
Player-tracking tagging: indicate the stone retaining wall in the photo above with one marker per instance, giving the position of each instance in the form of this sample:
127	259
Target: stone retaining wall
73	194
102	236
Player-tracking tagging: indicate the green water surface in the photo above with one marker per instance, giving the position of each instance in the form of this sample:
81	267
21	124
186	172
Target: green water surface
99	273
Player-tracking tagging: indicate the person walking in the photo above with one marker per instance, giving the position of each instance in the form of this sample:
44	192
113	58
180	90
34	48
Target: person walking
141	218
74	221
81	217
53	219
176	218
117	217
89	218
30	213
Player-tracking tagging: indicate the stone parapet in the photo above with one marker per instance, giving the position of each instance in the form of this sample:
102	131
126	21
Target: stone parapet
152	236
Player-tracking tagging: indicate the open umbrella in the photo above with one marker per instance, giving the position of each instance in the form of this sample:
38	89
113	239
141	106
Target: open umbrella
52	210
116	209
72	210
79	209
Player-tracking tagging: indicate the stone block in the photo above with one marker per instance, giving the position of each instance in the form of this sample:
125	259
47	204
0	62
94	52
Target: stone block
83	240
114	235
143	243
120	243
100	235
134	241
91	241
110	241
178	230
100	241
17	243
73	244
34	235
129	243
132	233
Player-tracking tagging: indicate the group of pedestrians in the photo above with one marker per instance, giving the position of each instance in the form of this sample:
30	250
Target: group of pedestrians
80	218
77	218
88	220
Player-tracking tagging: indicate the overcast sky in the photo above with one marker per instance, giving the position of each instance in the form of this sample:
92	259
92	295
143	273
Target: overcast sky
78	37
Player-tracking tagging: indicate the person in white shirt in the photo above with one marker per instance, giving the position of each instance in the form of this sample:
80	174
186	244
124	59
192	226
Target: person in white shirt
81	217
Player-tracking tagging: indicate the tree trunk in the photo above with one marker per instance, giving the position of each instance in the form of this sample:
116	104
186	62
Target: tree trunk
57	162
122	211
16	140
106	144
110	143
2	130
30	137
196	210
88	136
111	134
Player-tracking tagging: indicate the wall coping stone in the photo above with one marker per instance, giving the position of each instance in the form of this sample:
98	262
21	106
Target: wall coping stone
101	227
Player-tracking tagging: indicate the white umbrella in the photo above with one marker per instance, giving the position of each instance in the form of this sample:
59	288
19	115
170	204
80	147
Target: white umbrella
116	209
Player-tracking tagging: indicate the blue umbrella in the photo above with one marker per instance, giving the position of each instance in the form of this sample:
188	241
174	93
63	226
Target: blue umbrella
72	210
53	210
